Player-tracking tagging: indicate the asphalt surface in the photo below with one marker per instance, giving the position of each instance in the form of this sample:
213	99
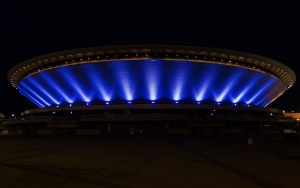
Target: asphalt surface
152	161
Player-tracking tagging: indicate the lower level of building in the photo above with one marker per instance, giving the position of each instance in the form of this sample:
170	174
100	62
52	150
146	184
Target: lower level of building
179	119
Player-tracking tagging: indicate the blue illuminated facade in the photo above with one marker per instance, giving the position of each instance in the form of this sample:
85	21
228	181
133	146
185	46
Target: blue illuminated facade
150	81
160	88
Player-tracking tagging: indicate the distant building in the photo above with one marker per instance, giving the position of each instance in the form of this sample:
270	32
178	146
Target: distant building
183	88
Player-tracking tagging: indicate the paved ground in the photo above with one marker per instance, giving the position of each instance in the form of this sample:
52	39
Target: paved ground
153	161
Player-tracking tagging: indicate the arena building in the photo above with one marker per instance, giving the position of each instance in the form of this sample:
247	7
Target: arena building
155	87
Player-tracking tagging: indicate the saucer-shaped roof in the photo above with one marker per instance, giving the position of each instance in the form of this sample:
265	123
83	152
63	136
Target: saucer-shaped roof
145	73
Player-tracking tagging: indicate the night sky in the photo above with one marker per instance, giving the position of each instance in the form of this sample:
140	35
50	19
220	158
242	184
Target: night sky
30	29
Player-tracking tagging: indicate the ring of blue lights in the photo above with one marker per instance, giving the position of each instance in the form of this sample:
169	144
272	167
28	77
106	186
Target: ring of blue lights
150	81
